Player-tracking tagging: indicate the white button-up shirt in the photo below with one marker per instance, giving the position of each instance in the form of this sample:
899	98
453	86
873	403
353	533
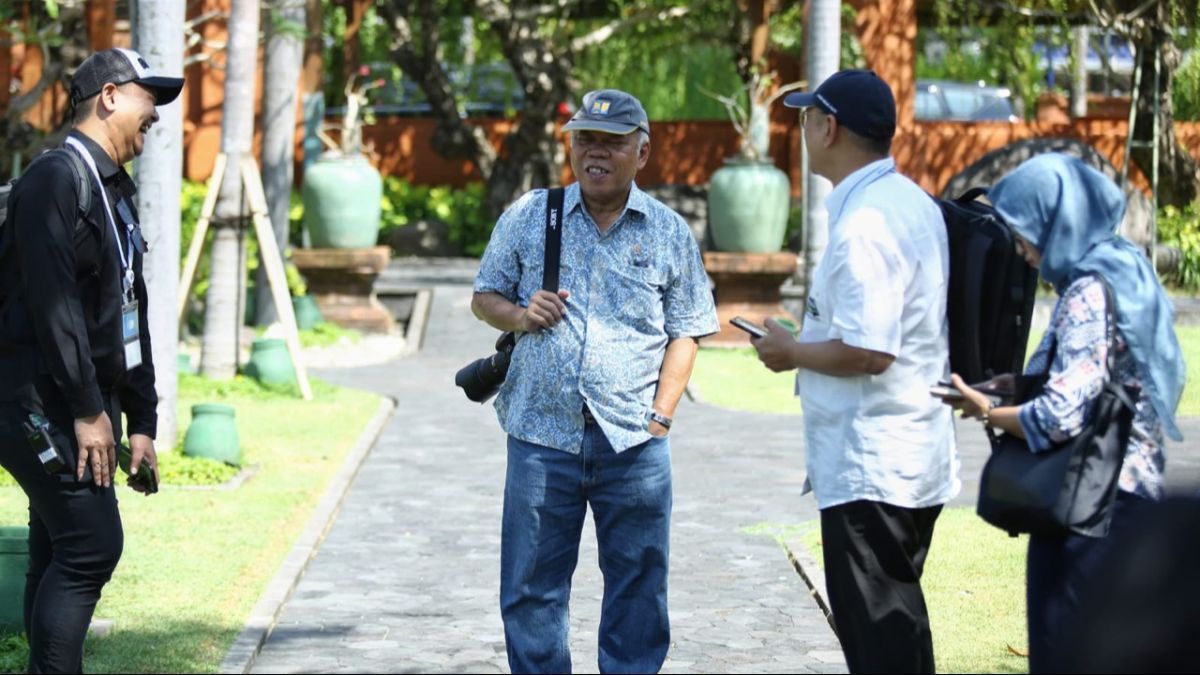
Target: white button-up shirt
881	285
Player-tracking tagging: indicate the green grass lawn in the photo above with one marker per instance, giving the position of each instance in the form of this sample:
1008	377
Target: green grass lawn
734	378
195	562
974	585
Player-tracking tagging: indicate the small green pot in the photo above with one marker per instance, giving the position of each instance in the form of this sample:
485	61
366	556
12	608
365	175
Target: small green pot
14	562
308	315
270	362
213	434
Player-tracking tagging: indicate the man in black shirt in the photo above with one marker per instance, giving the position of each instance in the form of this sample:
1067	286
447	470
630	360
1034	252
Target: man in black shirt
75	348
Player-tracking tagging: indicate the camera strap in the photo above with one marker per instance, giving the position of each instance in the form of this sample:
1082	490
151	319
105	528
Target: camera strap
554	218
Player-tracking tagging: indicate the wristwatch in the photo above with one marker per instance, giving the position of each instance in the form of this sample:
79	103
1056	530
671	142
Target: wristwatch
661	419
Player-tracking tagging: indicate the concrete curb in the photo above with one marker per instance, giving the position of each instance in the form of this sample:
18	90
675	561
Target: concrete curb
262	618
812	574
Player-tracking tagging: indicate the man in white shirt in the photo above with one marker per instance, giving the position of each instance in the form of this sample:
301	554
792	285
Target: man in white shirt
880	450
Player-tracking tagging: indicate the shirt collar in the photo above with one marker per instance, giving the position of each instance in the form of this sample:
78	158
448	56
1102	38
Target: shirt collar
638	201
864	176
104	164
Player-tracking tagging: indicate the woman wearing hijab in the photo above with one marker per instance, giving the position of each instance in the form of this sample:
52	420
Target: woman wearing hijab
1065	216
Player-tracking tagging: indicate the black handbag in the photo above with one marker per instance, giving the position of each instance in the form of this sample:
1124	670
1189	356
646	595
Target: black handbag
1071	487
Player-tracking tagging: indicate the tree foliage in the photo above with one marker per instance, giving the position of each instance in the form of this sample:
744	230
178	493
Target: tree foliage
1155	29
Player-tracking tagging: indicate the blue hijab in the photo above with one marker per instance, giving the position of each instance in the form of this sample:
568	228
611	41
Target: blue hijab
1070	213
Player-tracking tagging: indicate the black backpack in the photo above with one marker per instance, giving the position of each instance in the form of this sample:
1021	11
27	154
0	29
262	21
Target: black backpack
83	190
989	302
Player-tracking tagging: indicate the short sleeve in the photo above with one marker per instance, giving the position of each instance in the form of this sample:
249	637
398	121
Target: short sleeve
500	267
867	283
688	307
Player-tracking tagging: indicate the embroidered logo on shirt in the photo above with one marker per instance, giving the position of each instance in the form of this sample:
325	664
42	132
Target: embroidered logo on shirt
812	309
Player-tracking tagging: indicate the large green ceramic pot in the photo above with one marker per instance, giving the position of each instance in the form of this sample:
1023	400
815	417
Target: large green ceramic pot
341	202
748	207
213	434
270	362
14	562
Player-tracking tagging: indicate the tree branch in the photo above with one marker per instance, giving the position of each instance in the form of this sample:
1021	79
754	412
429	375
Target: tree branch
608	30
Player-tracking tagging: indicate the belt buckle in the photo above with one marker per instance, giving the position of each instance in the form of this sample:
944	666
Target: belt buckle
588	418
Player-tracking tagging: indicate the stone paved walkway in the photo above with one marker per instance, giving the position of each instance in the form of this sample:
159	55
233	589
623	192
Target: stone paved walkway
407	579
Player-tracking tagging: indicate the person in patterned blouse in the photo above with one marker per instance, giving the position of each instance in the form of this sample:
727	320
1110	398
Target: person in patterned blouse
591	389
1065	216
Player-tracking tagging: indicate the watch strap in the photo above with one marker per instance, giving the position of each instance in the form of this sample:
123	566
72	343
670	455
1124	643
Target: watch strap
661	419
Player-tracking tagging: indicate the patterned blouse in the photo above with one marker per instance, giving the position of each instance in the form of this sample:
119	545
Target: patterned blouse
1077	375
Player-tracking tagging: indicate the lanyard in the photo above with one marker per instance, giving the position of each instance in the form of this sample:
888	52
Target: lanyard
126	264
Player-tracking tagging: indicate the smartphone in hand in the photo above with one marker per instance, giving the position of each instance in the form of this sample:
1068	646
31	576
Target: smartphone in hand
950	394
753	329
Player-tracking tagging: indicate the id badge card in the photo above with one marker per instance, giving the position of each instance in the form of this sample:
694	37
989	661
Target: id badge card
130	335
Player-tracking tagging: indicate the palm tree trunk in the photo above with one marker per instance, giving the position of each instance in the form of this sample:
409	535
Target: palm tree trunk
222	320
823	36
284	58
158	31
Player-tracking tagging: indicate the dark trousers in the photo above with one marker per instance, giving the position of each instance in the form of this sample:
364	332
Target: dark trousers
1060	572
874	557
75	541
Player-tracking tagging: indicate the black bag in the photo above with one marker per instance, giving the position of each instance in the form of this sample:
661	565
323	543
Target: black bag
83	190
989	301
481	378
1071	487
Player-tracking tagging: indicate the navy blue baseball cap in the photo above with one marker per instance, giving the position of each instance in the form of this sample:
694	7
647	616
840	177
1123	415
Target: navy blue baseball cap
859	99
611	111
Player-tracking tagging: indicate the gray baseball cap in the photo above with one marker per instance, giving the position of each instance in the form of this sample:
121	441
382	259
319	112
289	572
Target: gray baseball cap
611	111
120	66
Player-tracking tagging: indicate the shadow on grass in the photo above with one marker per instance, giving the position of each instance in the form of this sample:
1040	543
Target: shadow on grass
171	646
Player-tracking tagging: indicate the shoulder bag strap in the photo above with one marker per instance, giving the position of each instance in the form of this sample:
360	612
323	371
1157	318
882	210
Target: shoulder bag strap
554	218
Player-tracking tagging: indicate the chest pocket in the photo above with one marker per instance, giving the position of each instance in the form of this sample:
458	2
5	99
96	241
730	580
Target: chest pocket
637	286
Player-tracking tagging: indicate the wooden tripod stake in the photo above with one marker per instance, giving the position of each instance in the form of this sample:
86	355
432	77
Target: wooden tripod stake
251	182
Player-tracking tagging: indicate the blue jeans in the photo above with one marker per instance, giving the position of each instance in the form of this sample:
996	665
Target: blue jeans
546	495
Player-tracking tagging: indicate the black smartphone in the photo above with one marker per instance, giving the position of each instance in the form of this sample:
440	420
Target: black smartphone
946	392
145	475
751	328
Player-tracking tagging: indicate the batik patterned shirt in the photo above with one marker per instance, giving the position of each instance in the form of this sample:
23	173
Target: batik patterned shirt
1078	374
633	288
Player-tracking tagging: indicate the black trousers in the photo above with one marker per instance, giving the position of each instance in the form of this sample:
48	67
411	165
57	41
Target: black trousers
874	557
75	541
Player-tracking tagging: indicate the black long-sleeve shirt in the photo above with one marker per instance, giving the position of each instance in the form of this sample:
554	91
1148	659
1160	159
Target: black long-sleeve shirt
61	347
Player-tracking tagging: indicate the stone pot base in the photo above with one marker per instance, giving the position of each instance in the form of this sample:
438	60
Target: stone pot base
342	281
747	285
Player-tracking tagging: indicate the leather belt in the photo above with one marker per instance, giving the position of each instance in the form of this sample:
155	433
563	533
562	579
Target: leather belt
588	418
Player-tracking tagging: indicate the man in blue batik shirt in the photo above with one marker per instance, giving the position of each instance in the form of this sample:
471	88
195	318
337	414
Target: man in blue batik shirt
591	389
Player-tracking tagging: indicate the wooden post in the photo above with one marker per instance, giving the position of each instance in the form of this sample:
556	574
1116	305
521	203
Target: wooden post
272	260
250	182
197	245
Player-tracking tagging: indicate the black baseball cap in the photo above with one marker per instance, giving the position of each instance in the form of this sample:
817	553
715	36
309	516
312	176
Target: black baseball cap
859	99
611	111
120	66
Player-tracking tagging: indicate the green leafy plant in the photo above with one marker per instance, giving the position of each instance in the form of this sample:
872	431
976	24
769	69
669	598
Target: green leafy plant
177	468
463	210
1181	228
327	334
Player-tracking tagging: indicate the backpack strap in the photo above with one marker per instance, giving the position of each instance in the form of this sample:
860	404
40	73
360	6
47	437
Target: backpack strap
83	187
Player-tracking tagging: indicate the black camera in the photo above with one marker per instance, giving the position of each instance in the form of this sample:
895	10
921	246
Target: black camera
481	379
